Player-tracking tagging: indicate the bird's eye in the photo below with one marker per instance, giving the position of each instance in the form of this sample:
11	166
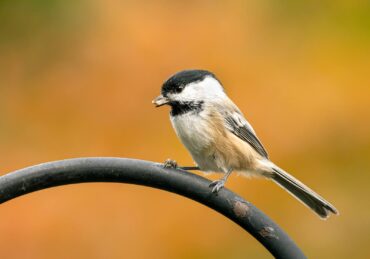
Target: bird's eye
181	87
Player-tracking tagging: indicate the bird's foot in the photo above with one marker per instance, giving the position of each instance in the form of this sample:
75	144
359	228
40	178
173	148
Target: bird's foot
217	185
169	163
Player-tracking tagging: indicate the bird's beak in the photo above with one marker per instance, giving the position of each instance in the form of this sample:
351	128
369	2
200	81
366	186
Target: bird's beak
160	100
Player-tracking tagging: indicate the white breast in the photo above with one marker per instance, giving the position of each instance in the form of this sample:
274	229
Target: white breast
192	129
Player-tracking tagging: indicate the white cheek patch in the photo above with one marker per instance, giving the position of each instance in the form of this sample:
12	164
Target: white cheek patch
209	89
189	93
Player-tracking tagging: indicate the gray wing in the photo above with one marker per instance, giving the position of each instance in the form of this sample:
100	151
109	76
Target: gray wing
239	126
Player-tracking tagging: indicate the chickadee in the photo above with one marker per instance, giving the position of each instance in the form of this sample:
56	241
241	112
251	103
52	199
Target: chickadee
220	139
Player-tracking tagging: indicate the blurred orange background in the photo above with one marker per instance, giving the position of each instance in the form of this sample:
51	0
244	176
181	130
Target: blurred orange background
77	79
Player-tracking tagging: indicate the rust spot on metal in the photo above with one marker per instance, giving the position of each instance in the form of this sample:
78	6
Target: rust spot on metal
268	232
240	209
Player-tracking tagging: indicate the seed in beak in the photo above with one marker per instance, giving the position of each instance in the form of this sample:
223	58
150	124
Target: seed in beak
160	100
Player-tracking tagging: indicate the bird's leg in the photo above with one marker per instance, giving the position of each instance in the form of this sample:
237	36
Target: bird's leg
219	184
189	168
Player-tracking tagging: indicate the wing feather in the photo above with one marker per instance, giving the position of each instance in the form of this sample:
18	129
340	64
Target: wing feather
239	126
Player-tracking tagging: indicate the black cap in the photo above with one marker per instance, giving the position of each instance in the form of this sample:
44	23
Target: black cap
177	82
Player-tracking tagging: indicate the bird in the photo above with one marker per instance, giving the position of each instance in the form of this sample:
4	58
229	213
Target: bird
220	139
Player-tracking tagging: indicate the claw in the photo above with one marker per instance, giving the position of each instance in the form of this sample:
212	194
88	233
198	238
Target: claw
217	185
169	163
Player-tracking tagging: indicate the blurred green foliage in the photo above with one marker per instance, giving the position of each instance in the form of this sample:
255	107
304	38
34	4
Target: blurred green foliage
25	21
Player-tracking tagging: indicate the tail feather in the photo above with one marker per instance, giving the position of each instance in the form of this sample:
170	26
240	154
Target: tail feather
304	194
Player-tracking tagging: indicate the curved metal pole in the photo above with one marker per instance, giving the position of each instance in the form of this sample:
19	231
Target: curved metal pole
122	170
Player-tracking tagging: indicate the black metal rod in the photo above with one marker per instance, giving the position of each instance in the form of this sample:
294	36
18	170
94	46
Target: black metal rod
122	170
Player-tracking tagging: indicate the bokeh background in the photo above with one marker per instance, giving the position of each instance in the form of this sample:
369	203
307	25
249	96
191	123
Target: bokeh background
77	78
